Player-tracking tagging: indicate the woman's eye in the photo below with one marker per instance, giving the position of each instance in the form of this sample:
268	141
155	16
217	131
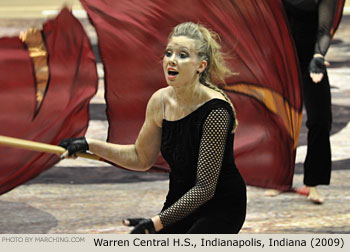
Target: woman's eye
168	53
183	55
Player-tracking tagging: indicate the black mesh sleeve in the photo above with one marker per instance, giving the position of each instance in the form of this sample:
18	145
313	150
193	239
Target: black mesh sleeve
211	152
326	13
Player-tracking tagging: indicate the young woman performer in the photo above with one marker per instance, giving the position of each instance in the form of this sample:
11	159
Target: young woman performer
311	23
192	123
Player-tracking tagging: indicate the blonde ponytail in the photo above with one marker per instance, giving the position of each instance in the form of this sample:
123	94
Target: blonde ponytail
208	49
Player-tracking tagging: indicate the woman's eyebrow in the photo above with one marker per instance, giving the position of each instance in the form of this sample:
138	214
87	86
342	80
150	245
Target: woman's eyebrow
178	47
184	48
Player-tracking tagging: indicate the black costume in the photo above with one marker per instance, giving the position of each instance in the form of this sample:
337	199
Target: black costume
311	22
206	192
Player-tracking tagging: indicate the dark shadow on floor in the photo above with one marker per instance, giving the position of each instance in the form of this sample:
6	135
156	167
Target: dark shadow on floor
339	64
341	117
95	175
20	218
323	230
97	112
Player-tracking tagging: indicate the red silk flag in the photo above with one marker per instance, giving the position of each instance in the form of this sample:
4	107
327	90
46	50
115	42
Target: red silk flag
45	89
338	15
266	92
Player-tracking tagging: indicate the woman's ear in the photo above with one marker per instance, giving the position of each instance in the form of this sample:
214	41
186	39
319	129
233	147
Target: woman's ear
202	66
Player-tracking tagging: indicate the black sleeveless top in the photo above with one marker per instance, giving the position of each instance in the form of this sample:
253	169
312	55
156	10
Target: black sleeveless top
199	151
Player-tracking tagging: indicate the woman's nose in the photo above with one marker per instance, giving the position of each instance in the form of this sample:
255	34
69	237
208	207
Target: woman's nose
172	60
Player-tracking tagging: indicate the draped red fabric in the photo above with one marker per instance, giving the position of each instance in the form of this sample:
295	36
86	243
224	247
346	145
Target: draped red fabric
338	16
64	110
266	92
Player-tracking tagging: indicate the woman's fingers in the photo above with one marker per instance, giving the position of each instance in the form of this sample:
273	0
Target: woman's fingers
66	155
132	221
316	77
126	222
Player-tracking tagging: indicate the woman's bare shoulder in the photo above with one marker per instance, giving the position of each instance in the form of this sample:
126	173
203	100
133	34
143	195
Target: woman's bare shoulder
154	106
157	97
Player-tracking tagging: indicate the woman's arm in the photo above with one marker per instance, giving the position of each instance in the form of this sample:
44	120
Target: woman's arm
326	14
141	155
212	147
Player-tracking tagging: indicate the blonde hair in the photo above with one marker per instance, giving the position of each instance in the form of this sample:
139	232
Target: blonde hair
208	49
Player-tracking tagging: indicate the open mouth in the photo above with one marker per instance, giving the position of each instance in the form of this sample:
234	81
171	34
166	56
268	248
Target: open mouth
172	72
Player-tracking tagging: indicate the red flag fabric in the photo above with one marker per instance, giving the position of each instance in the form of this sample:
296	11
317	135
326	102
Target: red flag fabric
266	92
55	109
338	16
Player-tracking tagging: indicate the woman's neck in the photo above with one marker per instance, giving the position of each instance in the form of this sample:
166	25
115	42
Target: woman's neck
189	95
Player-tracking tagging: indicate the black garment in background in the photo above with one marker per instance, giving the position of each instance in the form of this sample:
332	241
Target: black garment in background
181	144
311	23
